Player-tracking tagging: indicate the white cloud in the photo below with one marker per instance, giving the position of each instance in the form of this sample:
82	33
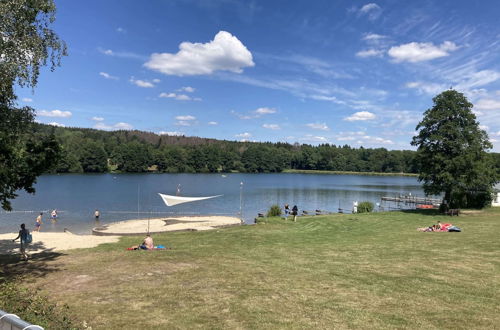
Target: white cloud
272	126
108	76
224	53
265	111
141	83
179	97
487	104
120	30
186	89
213	123
54	113
123	126
245	135
418	52
170	133
318	126
370	53
188	117
117	126
27	100
56	124
97	118
362	115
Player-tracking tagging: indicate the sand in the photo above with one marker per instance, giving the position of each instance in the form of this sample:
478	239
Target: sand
50	241
159	225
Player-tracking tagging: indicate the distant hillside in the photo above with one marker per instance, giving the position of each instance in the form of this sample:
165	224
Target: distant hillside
97	151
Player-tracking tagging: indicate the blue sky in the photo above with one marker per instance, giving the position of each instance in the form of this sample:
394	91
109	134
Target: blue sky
342	72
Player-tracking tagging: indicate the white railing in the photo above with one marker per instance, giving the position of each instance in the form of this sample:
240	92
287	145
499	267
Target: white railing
13	322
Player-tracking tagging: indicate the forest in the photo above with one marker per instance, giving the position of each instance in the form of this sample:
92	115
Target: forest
85	150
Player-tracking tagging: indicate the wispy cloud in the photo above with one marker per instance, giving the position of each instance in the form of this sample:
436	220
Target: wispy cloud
255	113
97	118
370	53
318	126
27	100
186	89
372	10
108	76
120	54
271	126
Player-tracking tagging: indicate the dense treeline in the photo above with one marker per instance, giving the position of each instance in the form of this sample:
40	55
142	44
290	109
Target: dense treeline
90	150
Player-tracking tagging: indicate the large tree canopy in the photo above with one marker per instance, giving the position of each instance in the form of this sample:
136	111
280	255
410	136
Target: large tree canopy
26	44
452	153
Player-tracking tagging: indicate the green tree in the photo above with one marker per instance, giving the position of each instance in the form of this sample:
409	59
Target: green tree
452	154
26	43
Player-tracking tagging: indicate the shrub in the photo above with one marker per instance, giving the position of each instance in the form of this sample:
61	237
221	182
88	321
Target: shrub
365	207
274	211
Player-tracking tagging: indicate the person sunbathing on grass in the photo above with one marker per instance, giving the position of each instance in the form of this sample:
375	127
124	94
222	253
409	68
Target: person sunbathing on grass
147	244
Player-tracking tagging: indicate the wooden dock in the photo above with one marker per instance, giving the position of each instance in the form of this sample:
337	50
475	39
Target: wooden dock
408	199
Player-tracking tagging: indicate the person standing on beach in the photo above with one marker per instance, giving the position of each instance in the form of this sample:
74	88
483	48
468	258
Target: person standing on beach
23	234
295	211
38	222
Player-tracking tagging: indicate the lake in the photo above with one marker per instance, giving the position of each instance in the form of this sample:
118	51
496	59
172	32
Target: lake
131	196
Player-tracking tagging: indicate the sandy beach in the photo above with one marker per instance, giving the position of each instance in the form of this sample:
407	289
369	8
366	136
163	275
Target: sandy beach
159	225
110	233
49	242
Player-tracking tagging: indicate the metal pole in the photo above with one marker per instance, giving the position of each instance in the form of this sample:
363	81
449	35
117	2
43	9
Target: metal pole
241	200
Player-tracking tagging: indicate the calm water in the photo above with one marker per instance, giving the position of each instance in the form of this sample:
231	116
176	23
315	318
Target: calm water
132	196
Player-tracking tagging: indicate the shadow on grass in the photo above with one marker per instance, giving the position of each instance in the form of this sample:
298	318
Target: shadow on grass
38	264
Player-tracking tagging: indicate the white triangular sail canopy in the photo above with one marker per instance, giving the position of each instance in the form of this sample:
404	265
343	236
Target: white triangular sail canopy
174	200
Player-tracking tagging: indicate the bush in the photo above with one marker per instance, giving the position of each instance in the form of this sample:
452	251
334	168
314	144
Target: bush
35	308
274	211
365	207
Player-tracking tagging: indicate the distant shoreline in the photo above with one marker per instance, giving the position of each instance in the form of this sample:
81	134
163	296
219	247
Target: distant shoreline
348	172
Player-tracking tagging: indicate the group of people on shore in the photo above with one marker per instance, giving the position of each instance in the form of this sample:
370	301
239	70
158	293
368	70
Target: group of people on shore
294	212
54	217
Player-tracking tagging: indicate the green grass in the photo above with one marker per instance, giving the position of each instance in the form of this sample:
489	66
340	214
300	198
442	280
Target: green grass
349	173
366	271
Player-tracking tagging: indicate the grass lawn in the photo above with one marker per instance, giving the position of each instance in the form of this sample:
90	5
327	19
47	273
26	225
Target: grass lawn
366	271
